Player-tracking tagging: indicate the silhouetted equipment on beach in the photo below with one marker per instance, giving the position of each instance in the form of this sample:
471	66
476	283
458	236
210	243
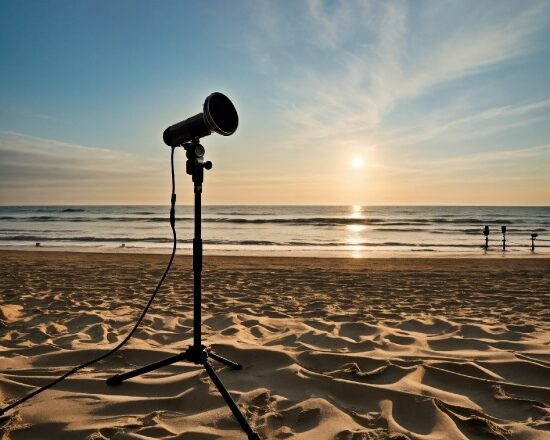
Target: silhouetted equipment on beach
221	117
218	116
486	233
503	229
534	236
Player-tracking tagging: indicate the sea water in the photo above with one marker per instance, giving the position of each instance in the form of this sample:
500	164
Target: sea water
322	231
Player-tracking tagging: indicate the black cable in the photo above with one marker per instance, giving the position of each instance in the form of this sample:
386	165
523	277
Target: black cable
143	313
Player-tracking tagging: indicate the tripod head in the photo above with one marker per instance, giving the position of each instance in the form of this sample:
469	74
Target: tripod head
196	164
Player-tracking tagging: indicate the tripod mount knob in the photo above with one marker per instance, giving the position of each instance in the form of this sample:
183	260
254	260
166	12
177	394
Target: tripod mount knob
207	165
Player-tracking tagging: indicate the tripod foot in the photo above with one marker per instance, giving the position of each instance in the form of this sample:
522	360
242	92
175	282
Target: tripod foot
230	402
114	381
225	361
117	379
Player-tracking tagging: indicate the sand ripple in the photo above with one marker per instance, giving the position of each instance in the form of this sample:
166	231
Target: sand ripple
333	350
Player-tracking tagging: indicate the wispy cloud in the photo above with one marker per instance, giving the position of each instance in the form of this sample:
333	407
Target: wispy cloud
540	154
473	125
367	58
74	171
24	157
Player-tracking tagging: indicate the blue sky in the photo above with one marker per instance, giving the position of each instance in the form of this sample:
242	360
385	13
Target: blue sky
446	102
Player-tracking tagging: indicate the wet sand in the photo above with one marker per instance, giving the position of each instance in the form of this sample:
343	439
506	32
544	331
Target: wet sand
332	348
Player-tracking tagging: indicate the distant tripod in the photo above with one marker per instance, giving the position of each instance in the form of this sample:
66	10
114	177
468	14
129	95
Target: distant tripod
486	233
534	236
196	353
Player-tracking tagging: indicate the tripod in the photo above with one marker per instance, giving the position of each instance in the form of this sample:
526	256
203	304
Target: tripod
196	353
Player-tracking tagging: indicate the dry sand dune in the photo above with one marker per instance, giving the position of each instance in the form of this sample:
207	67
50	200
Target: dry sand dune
333	349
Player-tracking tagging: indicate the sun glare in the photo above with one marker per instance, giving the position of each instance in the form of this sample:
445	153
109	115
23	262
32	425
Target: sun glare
357	162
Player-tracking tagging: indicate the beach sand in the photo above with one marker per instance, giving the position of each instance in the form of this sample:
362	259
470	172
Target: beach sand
332	348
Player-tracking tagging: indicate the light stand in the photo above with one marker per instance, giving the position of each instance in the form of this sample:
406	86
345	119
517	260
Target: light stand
534	236
486	233
196	353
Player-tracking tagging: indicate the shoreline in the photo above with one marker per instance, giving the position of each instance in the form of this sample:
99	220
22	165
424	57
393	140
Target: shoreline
292	264
296	254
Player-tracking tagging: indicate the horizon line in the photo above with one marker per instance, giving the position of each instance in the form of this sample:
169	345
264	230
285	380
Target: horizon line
292	204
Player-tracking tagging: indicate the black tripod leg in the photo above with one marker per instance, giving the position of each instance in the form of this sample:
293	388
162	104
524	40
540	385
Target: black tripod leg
118	378
225	361
232	405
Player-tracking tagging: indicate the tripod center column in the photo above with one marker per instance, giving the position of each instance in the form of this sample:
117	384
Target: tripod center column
195	167
197	269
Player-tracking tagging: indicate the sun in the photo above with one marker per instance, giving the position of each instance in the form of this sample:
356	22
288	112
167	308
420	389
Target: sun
357	162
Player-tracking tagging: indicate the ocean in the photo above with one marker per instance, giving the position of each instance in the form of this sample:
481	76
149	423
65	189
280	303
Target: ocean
318	231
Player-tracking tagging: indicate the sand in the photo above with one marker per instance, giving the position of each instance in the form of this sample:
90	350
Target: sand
333	348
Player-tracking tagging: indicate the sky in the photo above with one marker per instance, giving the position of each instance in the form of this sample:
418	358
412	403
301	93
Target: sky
355	102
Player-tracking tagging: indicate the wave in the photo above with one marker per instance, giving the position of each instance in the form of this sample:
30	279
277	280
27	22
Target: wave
161	240
45	218
39	238
50	218
144	216
73	210
475	231
244	213
336	221
459	231
89	239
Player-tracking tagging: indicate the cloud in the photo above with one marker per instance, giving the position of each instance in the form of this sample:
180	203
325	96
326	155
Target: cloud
29	163
359	61
540	154
474	125
26	158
